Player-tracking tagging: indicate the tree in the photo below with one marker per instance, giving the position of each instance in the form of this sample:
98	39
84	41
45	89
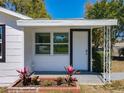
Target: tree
38	9
32	8
104	9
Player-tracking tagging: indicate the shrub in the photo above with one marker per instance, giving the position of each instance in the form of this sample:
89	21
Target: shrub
26	79
97	60
24	76
48	83
69	78
35	80
59	80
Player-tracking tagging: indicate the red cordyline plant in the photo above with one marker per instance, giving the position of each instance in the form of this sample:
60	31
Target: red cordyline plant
70	71
24	76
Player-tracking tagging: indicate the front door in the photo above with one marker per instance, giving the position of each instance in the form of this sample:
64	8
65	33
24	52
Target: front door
80	50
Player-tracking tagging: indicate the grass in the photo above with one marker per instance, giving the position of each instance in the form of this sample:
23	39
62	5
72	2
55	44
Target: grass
114	87
117	66
3	90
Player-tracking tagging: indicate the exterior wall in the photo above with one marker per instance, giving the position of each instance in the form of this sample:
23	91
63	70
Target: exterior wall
44	62
14	50
28	49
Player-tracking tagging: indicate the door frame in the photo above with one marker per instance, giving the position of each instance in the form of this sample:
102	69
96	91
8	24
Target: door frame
71	45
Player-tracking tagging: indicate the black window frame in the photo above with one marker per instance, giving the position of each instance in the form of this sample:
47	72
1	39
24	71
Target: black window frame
3	43
60	43
42	43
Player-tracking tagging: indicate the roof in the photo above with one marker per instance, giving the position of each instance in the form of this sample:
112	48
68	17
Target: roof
12	13
83	22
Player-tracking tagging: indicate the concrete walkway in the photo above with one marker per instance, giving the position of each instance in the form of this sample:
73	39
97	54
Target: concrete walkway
89	79
117	76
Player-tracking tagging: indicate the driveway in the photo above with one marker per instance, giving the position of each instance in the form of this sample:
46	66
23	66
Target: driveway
117	76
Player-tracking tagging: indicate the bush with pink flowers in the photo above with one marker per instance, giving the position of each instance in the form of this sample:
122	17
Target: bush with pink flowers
24	76
69	78
27	80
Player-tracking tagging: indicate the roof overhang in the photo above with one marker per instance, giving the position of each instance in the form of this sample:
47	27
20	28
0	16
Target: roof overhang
97	22
12	13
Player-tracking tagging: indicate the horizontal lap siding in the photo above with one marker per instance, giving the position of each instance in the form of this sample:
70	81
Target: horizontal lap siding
11	58
13	45
11	32
14	52
8	79
13	38
10	66
11	73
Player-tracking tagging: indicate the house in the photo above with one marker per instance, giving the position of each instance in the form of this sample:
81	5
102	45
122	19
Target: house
44	45
11	45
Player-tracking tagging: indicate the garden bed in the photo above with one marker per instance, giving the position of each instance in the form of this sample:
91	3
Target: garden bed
47	85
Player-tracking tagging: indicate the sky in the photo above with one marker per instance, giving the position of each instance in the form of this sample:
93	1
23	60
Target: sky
59	9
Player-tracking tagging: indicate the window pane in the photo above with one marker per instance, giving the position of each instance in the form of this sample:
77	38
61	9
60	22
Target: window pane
60	49
42	38
0	49
60	37
42	49
2	45
0	34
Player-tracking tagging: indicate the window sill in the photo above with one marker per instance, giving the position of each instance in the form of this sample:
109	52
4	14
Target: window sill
51	54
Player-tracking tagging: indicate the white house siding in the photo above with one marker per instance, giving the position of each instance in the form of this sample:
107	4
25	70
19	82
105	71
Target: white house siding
44	62
14	50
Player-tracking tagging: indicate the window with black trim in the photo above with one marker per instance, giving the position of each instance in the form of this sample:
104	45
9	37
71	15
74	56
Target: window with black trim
42	43
2	43
60	43
51	43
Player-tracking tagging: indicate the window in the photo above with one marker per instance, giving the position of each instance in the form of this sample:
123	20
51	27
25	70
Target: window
60	43
2	43
42	43
56	43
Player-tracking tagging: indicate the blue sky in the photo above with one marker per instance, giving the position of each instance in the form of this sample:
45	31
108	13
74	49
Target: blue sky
66	8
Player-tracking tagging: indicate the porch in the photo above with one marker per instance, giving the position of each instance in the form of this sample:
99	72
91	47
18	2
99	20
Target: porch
81	60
